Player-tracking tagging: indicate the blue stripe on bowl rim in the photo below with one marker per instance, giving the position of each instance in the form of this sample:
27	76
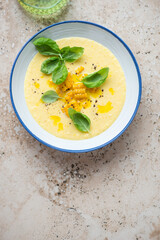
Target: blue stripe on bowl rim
139	94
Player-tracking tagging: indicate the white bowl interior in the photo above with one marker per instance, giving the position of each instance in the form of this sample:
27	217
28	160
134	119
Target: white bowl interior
77	29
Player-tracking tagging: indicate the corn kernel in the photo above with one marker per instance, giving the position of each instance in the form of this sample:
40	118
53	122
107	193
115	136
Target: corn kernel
55	119
79	70
37	85
111	91
60	126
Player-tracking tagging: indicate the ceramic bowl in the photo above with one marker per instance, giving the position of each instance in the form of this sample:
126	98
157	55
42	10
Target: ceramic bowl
116	46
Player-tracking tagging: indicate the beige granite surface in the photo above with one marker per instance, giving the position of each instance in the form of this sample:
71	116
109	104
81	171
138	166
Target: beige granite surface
109	194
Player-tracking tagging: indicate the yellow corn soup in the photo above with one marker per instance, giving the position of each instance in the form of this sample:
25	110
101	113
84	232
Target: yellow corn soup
102	105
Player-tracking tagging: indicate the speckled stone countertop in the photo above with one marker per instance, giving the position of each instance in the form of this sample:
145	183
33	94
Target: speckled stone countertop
109	194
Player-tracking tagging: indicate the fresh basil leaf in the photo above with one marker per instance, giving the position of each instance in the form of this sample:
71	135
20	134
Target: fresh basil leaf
49	65
96	79
46	46
59	75
72	54
81	121
65	50
49	96
71	111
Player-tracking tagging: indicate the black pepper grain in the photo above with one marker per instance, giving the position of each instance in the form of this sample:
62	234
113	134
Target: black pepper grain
96	101
97	114
94	105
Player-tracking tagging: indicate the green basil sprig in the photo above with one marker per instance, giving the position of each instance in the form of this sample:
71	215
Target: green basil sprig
50	96
50	65
56	64
96	79
81	121
46	46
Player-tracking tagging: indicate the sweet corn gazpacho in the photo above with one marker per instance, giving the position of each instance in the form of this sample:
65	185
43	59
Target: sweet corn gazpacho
102	105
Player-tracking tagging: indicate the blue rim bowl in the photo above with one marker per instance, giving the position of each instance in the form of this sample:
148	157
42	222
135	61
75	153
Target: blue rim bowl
105	142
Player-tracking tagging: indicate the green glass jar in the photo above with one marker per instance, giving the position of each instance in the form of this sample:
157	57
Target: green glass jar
45	10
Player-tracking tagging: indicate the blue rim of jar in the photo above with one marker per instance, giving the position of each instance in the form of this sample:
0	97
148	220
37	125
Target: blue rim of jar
40	8
132	117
